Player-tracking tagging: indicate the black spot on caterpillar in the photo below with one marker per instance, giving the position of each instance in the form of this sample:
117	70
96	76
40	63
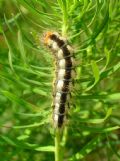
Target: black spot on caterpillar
65	73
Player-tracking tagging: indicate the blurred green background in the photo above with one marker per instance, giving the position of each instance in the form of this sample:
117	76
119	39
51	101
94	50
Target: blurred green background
92	27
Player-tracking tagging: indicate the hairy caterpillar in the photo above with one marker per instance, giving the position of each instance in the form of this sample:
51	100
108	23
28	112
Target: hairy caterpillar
64	75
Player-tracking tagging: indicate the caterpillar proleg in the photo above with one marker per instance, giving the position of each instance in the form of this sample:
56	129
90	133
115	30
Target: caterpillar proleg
64	75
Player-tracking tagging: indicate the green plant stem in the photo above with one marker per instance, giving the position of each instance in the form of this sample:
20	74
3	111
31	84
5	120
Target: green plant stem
60	142
64	27
65	19
63	141
57	145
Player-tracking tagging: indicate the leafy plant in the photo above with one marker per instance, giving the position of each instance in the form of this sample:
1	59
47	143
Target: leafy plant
27	71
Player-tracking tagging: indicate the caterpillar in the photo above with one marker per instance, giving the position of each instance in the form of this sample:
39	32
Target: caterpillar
64	75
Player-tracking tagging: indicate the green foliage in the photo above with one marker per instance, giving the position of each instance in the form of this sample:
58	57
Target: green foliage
27	71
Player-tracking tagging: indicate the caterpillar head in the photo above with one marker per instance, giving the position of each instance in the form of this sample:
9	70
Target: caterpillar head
47	40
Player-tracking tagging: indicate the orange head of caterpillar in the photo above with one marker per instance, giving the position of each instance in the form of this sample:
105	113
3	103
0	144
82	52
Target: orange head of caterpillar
46	39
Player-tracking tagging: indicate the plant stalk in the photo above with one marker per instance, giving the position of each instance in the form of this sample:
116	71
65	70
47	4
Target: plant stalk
60	142
57	145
